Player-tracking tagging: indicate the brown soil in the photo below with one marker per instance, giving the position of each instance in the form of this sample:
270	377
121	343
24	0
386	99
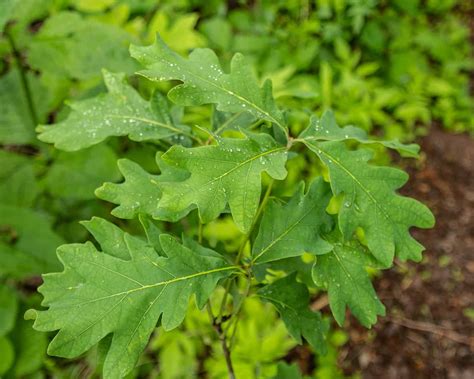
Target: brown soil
426	333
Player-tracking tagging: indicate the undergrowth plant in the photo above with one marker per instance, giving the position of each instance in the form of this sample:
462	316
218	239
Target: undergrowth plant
294	241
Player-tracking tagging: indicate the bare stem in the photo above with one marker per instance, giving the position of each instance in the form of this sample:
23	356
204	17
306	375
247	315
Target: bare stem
23	78
222	337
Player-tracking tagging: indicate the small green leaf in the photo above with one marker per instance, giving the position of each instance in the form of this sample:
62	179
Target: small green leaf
290	230
326	129
291	299
370	202
139	193
204	81
342	271
229	172
98	294
121	111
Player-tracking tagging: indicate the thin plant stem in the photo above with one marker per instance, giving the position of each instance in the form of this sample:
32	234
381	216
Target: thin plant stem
223	339
23	78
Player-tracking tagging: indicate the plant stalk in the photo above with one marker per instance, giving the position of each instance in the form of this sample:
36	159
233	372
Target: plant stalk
23	78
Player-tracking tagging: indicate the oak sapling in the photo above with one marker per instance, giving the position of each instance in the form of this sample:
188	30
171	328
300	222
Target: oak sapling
133	284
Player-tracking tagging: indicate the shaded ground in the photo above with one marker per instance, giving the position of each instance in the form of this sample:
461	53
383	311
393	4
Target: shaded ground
427	333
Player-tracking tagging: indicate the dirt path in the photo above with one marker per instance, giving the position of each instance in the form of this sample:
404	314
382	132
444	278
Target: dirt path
427	333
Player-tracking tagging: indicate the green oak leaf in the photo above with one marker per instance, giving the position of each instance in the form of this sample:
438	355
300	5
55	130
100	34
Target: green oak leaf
111	237
326	129
139	193
370	201
226	173
291	299
290	230
121	111
205	82
343	272
99	294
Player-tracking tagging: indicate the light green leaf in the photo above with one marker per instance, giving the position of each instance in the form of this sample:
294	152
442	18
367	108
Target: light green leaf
98	294
370	201
290	230
227	173
291	299
205	82
326	129
343	273
8	309
85	170
121	111
179	33
111	237
139	193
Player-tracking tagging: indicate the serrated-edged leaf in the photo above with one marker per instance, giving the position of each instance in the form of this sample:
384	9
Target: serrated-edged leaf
343	272
291	299
98	294
227	173
290	230
370	201
121	111
204	81
326	129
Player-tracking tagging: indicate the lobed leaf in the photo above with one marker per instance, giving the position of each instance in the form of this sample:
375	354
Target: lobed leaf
100	293
121	111
290	230
343	272
326	129
291	299
227	173
370	201
204	81
139	193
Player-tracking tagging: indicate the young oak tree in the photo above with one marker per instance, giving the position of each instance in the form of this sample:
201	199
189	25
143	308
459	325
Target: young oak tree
117	295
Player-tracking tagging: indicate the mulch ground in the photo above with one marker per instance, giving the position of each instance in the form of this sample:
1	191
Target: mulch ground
426	333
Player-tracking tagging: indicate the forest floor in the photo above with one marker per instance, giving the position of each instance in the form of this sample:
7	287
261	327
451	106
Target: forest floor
429	328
